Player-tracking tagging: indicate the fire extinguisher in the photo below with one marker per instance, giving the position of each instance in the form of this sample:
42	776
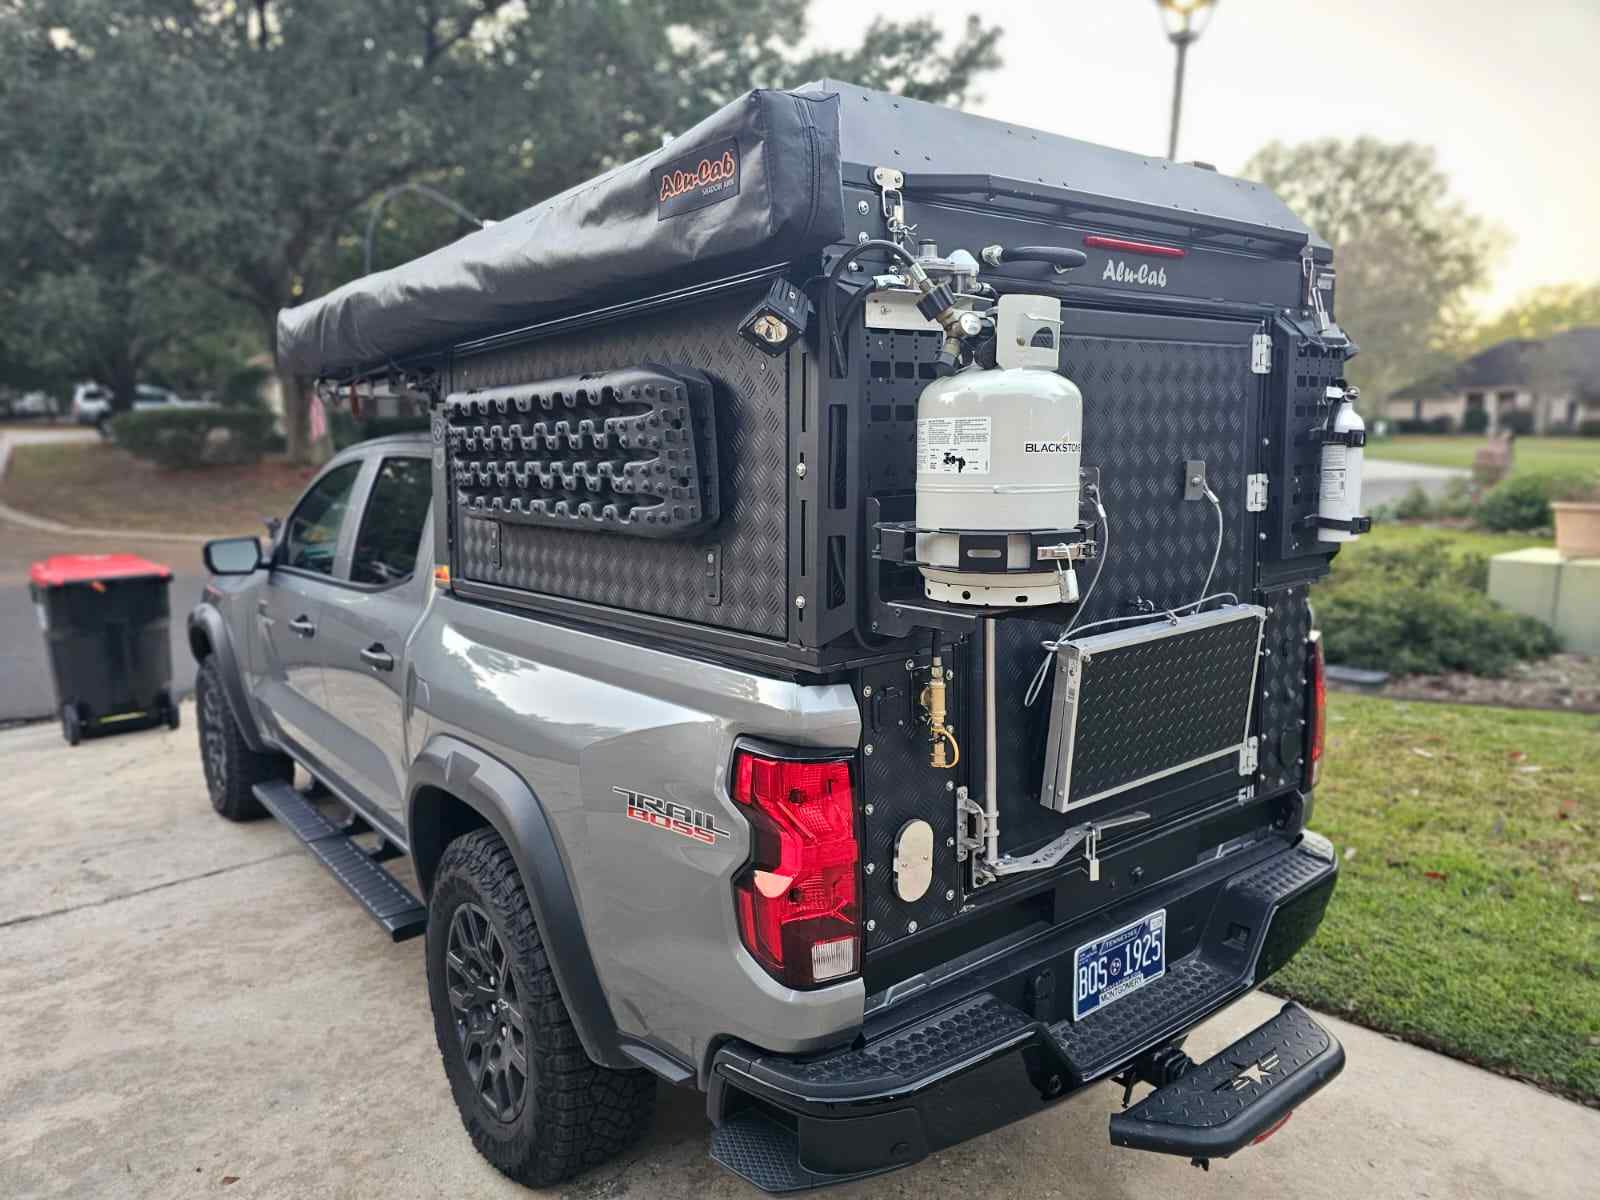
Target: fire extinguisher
1339	516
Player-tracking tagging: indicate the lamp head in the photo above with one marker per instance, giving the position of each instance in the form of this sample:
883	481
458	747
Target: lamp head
1185	20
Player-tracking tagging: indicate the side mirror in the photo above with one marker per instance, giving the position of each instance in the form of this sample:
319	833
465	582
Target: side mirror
232	556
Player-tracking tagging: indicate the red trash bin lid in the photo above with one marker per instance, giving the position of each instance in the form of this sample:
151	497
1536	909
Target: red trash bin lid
61	569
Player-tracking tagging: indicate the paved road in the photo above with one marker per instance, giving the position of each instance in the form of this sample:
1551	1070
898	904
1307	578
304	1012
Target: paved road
1385	482
183	1001
25	688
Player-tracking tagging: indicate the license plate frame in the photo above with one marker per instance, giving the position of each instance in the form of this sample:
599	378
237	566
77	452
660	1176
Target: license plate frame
1118	964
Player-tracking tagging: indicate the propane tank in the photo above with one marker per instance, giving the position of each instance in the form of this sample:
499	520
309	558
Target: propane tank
998	452
1339	499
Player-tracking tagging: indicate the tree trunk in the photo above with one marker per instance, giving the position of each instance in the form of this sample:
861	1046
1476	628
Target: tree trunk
122	377
292	392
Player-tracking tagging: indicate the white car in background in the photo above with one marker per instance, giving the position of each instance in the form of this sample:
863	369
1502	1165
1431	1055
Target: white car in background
92	401
32	404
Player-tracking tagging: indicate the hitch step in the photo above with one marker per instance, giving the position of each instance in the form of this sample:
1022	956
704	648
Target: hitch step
1237	1095
384	897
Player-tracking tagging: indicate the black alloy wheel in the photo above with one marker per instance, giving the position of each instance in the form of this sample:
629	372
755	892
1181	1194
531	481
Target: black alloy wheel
487	1006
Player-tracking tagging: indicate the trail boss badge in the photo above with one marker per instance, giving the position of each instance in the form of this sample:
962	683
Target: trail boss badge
673	817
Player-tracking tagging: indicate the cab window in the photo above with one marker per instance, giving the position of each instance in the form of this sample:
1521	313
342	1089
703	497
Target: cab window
391	527
312	537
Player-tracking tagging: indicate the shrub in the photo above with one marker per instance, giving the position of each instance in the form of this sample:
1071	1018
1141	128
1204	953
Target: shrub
1589	427
1459	499
1518	421
194	437
1414	505
1423	611
1523	501
1475	420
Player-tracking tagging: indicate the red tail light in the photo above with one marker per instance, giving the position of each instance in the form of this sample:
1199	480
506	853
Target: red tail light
1317	718
799	900
1097	241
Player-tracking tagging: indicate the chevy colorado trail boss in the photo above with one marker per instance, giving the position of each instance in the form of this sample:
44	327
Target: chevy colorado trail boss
842	643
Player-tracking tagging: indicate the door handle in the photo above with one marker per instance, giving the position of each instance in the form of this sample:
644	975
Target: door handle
304	626
377	657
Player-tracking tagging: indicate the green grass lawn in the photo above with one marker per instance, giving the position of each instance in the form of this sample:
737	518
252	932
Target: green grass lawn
1534	455
1468	838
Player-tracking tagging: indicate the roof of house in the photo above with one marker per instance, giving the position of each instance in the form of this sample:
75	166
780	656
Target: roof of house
1516	363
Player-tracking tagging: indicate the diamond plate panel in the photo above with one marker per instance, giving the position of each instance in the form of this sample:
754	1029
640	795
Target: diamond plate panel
663	578
1282	686
1154	705
899	785
1150	404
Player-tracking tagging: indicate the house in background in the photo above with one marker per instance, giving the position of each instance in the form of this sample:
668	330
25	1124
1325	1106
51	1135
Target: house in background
1555	381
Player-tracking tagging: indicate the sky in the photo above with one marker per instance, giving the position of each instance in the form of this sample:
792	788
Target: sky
1508	93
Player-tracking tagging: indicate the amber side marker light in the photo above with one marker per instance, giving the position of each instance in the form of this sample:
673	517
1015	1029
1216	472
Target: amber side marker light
441	577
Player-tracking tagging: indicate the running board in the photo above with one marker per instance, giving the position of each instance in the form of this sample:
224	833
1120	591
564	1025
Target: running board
388	901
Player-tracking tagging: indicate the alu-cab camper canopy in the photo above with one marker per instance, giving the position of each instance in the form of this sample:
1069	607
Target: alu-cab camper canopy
758	182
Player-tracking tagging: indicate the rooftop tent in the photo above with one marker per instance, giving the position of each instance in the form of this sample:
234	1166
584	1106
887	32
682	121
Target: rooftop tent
758	182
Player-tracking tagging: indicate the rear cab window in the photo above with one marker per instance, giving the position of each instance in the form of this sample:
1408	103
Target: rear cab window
391	527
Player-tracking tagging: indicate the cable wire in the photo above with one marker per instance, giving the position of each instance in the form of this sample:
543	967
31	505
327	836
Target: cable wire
1036	684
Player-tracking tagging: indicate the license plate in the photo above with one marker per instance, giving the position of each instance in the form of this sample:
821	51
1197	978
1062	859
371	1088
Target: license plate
1119	964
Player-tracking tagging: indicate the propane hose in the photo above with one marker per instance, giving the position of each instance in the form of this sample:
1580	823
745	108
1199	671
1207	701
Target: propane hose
830	282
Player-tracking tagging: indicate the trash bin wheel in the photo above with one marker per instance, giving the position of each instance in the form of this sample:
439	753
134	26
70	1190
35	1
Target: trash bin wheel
71	724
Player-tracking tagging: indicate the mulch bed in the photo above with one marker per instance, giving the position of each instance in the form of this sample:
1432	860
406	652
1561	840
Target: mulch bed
1568	682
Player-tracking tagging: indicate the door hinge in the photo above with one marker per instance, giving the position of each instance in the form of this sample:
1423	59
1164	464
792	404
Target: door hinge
1255	493
1249	756
1260	354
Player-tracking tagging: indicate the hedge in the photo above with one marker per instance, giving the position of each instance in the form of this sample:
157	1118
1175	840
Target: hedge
1423	610
194	437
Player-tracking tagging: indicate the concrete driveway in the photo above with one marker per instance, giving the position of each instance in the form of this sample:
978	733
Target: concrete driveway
1386	482
185	1002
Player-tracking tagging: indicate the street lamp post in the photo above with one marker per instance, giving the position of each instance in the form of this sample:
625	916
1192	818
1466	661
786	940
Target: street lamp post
1185	21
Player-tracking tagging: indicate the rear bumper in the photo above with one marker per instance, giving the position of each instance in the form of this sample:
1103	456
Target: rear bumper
997	1043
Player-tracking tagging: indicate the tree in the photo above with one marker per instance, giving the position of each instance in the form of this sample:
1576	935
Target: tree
1538	314
80	219
284	119
1408	255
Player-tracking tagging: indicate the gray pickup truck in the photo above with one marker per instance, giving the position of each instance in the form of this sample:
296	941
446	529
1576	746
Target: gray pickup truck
867	678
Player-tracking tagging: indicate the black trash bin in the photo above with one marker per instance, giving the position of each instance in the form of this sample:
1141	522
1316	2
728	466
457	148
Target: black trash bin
105	619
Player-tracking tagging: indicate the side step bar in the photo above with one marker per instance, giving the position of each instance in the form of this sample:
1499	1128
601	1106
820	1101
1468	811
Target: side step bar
1238	1095
380	893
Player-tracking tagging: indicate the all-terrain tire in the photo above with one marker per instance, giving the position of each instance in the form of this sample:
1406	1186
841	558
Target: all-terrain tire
231	768
573	1114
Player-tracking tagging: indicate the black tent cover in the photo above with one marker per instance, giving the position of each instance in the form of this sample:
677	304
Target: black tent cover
758	179
757	183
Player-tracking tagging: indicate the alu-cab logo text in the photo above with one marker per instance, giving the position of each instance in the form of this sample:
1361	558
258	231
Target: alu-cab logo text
1120	272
